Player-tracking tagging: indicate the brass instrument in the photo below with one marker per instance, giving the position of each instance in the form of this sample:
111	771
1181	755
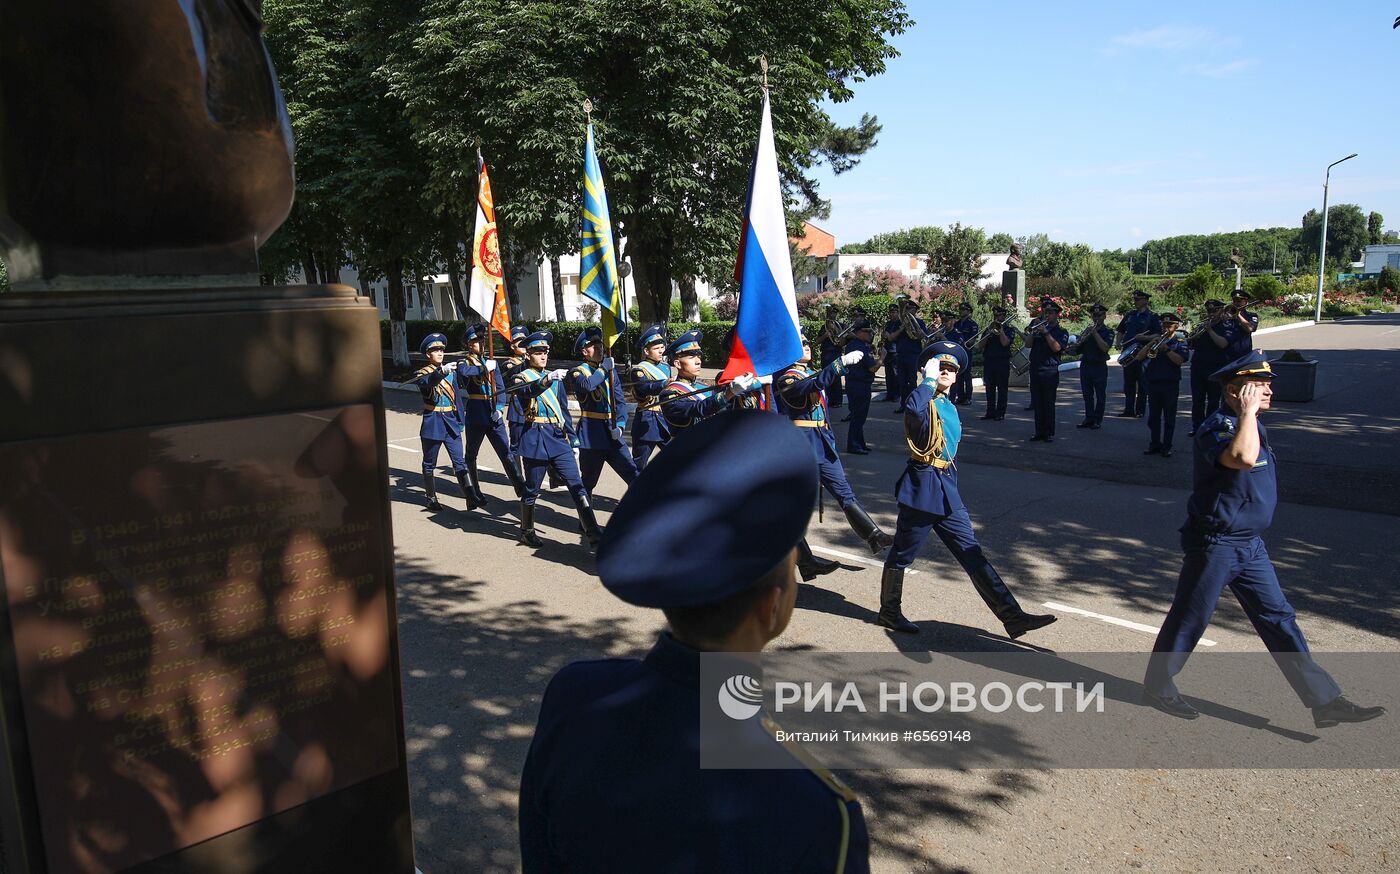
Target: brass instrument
1210	321
987	332
840	338
908	322
1156	345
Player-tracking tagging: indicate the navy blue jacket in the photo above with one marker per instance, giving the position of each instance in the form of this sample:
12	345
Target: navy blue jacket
549	426
930	486
1162	369
479	398
515	410
992	350
1241	341
649	379
1089	351
1042	359
613	783
1135	323
860	374
442	417
597	411
905	347
802	398
1226	502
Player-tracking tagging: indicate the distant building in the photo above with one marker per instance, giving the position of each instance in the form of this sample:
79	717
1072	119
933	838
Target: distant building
1373	258
911	266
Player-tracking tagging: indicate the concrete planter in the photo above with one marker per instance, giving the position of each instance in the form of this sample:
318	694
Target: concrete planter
1294	380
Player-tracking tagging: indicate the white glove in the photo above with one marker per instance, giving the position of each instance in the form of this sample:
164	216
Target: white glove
852	358
556	375
449	367
616	433
607	363
490	365
931	369
496	417
766	380
735	388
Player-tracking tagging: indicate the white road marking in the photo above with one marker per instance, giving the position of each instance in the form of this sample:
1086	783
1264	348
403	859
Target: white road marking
419	450
1112	620
850	556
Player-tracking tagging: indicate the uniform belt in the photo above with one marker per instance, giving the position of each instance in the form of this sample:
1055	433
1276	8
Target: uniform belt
594	414
809	423
543	420
479	397
937	463
428	409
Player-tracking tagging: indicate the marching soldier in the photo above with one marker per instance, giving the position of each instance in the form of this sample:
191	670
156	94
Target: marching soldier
1162	360
996	363
1046	342
905	331
545	442
962	332
649	378
683	402
515	410
1093	349
860	380
802	397
1231	506
1139	326
929	500
612	781
602	412
1207	356
442	420
483	419
831	345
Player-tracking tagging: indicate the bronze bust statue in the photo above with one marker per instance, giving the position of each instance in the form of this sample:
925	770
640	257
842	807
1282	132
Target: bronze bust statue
191	183
1014	260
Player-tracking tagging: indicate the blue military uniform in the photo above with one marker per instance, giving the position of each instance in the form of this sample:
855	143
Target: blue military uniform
1045	378
649	378
602	415
612	781
835	395
860	381
1163	379
482	415
906	352
545	444
515	410
996	369
801	395
963	332
442	423
1241	341
1133	324
1227	514
929	501
1207	357
1093	372
680	408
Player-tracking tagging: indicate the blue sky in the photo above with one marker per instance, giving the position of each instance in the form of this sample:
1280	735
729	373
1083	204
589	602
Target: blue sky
1116	123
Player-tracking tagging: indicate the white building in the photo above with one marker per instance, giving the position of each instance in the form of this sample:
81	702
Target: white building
911	267
1373	258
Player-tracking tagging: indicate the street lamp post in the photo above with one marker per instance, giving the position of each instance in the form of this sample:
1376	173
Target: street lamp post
1322	253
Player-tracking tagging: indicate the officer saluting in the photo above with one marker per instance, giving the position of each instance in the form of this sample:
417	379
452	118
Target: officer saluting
928	499
613	781
442	420
602	412
649	378
1231	505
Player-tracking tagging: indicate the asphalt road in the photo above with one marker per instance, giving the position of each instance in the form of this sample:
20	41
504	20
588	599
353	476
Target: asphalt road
1086	522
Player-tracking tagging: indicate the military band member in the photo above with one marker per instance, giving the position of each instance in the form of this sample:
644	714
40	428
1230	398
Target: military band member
442	420
906	345
1232	502
802	398
480	408
1047	342
996	363
680	402
1139	326
962	332
928	498
649	378
1243	324
545	443
612	781
1093	347
1208	354
860	379
1162	360
602	411
831	344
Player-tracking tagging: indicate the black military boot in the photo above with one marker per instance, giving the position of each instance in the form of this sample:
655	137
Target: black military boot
430	489
865	527
517	481
891	594
1002	603
470	490
476	485
808	565
588	522
527	527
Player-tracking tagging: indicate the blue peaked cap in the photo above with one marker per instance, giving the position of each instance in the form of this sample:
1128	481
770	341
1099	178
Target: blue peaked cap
431	341
651	334
590	334
1253	365
685	343
723	503
940	348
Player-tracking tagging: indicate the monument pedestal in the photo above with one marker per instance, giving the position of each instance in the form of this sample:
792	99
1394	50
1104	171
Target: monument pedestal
199	666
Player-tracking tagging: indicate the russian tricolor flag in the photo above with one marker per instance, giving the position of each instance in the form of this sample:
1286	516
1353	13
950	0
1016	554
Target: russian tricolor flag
767	337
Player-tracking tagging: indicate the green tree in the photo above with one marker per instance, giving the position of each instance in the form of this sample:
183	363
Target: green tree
998	243
1347	234
1374	232
906	241
1056	259
1203	283
1092	283
1389	280
1031	245
957	259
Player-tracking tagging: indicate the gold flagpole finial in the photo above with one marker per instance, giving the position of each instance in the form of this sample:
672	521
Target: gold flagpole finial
763	68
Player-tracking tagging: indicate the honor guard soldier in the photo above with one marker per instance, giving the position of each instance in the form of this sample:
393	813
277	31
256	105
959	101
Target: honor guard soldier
1137	327
545	442
649	378
1093	348
612	781
928	498
1208	343
1243	324
1162	360
602	412
905	332
996	363
1047	341
831	344
515	410
482	415
442	420
802	398
962	332
1232	501
860	381
685	401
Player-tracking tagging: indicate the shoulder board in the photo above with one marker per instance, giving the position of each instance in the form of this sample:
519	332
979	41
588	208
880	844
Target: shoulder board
809	761
424	371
